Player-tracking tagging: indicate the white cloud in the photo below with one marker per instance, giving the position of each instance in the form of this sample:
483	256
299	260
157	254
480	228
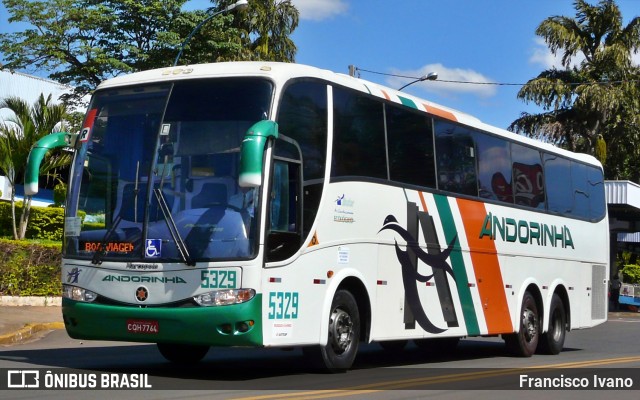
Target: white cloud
478	87
543	56
320	9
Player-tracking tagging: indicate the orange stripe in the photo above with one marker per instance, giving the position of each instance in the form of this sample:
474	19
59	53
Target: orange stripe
440	113
486	267
424	203
386	95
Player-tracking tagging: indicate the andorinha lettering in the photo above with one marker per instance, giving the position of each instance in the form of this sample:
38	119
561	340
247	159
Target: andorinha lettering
523	231
115	247
143	279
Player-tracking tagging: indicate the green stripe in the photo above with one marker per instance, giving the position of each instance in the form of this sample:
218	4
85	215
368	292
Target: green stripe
457	263
408	102
368	90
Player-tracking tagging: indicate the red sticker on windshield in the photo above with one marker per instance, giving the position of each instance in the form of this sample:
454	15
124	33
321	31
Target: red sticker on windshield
88	124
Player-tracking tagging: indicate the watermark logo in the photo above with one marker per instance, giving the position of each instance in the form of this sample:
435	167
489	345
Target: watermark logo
20	379
73	379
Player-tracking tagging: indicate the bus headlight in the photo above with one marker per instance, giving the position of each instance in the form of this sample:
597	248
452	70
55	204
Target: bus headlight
78	294
224	297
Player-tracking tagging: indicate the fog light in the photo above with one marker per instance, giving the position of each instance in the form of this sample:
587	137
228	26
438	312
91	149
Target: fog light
227	329
242	327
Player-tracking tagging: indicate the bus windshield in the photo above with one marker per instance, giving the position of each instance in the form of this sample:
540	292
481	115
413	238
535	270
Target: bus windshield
155	176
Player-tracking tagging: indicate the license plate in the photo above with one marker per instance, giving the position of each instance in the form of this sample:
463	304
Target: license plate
143	326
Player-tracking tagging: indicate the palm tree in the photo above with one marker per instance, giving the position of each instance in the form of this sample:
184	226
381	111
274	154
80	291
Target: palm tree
591	105
17	135
267	27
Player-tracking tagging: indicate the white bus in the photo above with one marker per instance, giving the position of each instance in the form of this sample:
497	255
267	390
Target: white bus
279	205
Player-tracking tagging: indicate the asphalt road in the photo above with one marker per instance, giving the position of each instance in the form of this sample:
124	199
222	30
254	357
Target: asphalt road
605	355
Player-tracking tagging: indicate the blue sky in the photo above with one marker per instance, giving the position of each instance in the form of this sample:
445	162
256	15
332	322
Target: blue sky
461	40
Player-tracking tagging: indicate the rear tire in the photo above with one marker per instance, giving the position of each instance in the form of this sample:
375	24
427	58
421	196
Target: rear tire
552	341
182	353
344	335
525	341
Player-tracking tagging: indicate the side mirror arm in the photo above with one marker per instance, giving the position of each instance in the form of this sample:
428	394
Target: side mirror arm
37	153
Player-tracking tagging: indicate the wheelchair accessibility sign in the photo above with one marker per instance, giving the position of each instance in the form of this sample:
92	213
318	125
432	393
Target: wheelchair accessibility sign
153	248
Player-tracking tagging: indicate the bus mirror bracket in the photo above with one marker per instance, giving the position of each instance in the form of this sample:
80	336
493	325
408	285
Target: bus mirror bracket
252	150
37	153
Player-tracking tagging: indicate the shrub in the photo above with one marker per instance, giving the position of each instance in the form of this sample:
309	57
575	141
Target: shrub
29	269
631	273
44	222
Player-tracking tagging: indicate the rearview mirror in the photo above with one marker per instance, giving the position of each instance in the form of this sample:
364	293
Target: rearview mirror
252	150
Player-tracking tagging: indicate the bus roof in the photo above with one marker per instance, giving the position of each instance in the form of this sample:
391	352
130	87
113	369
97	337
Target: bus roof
281	72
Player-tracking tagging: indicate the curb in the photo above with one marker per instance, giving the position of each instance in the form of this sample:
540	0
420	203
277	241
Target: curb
28	331
45	301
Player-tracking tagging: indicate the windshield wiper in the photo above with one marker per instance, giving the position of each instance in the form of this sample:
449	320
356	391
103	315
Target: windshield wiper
173	229
102	250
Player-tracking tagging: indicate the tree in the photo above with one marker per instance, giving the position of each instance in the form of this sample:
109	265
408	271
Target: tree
83	42
593	105
267	28
17	136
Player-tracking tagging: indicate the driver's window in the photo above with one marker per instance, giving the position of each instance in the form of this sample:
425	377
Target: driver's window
284	211
279	212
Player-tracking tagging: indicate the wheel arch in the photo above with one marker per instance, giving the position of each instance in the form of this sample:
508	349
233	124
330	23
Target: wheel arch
357	288
534	290
562	292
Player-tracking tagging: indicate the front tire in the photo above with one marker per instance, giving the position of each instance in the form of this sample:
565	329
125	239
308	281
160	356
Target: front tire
182	353
525	341
344	335
552	341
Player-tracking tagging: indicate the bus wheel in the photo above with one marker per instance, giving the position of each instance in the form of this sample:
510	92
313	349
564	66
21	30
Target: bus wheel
344	335
182	353
524	343
552	341
393	345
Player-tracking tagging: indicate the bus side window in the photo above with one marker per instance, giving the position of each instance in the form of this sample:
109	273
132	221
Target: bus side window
410	142
558	183
456	159
359	138
528	177
597	204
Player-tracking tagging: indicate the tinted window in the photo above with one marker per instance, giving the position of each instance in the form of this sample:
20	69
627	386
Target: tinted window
455	155
597	204
358	144
581	190
410	141
494	168
558	181
303	117
527	177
